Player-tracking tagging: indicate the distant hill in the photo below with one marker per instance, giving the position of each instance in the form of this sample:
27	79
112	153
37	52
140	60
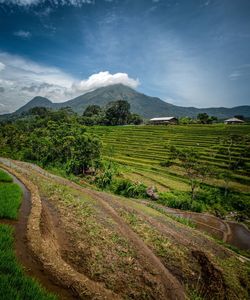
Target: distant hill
146	106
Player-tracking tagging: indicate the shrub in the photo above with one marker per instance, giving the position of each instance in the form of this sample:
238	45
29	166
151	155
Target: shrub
180	200
166	163
130	189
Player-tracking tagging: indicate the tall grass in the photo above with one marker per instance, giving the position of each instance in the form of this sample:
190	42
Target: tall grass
10	200
14	284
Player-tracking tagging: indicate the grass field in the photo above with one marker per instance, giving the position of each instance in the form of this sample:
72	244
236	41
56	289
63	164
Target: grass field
10	200
4	177
14	283
141	151
143	148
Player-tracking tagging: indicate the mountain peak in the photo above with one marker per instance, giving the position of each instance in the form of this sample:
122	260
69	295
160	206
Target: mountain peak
37	101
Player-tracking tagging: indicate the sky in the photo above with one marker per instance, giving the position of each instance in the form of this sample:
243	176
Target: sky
186	52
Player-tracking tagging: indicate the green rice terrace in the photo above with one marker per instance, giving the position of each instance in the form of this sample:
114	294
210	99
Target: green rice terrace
14	283
142	153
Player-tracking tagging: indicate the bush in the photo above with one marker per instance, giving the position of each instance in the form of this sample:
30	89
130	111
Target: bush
166	163
104	179
130	189
180	200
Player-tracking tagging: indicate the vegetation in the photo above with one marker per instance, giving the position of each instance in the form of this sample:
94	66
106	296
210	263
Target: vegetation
10	200
4	177
51	138
190	165
115	113
179	159
14	284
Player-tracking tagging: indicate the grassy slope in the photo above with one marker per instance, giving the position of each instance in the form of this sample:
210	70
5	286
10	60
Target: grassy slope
143	148
93	235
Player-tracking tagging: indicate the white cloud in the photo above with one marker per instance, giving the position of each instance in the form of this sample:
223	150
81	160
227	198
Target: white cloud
2	66
104	79
22	79
28	3
23	34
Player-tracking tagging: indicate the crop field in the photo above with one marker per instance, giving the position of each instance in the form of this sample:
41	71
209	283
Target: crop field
14	283
142	149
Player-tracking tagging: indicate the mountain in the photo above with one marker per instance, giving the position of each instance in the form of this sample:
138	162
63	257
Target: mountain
146	106
35	102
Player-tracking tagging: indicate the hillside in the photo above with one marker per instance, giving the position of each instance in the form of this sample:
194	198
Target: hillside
97	246
142	104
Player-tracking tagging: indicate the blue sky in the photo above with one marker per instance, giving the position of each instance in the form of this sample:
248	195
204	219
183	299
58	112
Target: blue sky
189	53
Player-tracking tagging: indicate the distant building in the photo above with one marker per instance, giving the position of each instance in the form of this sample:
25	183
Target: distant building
164	120
233	121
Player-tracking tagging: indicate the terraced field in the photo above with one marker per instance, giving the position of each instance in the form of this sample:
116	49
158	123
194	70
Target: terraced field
141	149
87	244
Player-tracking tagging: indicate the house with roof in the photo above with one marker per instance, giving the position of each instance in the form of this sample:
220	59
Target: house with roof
164	121
234	121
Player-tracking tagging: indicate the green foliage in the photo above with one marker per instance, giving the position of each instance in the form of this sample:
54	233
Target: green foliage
10	200
104	178
186	120
227	146
92	110
14	284
4	177
135	119
49	138
194	169
204	118
129	189
180	200
117	113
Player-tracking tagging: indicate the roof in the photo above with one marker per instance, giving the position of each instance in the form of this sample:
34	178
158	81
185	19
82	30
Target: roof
163	119
234	120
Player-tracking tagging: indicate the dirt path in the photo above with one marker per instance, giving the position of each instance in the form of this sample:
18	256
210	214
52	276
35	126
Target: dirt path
173	289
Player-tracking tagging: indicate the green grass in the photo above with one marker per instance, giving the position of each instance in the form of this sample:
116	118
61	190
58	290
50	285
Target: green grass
10	200
4	177
14	284
146	147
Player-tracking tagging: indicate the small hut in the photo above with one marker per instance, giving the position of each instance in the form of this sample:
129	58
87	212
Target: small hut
234	121
164	121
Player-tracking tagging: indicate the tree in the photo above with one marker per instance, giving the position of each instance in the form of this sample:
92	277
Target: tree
85	154
117	113
135	119
92	110
186	120
194	169
241	117
235	149
212	119
203	118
